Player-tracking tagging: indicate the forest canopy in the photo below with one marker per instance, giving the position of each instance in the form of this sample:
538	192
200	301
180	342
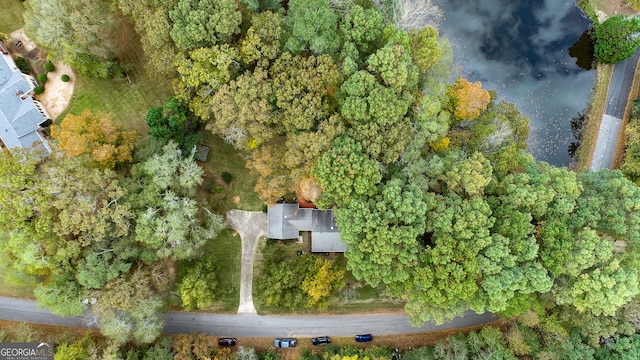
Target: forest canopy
356	103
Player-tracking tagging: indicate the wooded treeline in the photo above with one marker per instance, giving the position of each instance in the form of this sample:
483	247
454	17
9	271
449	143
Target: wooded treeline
349	105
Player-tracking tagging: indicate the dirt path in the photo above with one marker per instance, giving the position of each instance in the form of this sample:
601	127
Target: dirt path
251	225
57	93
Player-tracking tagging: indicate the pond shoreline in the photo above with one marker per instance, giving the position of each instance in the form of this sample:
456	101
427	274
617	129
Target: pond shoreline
597	100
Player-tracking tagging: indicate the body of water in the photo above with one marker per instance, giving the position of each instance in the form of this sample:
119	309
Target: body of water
520	49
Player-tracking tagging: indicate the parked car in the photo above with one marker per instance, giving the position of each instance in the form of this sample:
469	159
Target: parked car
364	337
284	342
321	340
227	341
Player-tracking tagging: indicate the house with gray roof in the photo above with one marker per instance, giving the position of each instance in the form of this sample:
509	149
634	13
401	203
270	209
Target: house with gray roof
286	221
21	116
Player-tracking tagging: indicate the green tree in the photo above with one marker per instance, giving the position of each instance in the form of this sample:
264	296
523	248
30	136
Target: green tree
601	291
169	222
62	296
303	89
617	38
200	24
280	282
345	172
261	44
202	73
361	29
198	286
426	51
625	348
132	307
152	22
174	121
313	26
631	164
81	34
382	233
243	111
377	115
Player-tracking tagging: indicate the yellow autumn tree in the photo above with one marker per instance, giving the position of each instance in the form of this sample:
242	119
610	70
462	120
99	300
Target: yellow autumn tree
440	144
266	162
309	189
323	280
467	99
106	141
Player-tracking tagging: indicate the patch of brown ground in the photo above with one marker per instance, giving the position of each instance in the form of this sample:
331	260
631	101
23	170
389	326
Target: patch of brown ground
57	93
607	8
404	342
217	179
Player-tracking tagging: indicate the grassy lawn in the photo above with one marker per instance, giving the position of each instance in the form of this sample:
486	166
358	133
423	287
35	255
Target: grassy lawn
128	102
11	16
359	297
226	250
14	285
594	113
127	99
223	157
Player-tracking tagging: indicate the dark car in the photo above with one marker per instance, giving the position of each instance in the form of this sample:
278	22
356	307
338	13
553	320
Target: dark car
364	337
227	341
322	340
284	342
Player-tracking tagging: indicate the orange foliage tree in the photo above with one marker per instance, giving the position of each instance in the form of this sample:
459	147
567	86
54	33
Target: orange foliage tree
98	135
467	99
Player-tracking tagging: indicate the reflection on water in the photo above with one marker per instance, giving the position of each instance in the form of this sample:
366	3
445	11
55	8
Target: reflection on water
583	51
520	49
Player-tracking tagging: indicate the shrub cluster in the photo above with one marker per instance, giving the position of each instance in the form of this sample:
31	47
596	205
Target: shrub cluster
48	66
226	177
64	77
23	64
42	77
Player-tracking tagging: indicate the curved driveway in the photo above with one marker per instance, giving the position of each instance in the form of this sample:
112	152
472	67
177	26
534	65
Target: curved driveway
617	98
252	325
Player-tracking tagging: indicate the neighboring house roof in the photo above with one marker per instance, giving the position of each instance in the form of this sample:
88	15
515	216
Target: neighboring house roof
20	114
278	224
287	220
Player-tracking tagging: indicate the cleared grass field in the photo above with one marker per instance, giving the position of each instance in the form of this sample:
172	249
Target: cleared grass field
126	99
11	16
223	157
226	250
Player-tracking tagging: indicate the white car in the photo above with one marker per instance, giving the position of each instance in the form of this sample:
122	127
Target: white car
284	342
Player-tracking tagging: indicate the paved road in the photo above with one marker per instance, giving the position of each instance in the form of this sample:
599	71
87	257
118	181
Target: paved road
617	97
252	325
